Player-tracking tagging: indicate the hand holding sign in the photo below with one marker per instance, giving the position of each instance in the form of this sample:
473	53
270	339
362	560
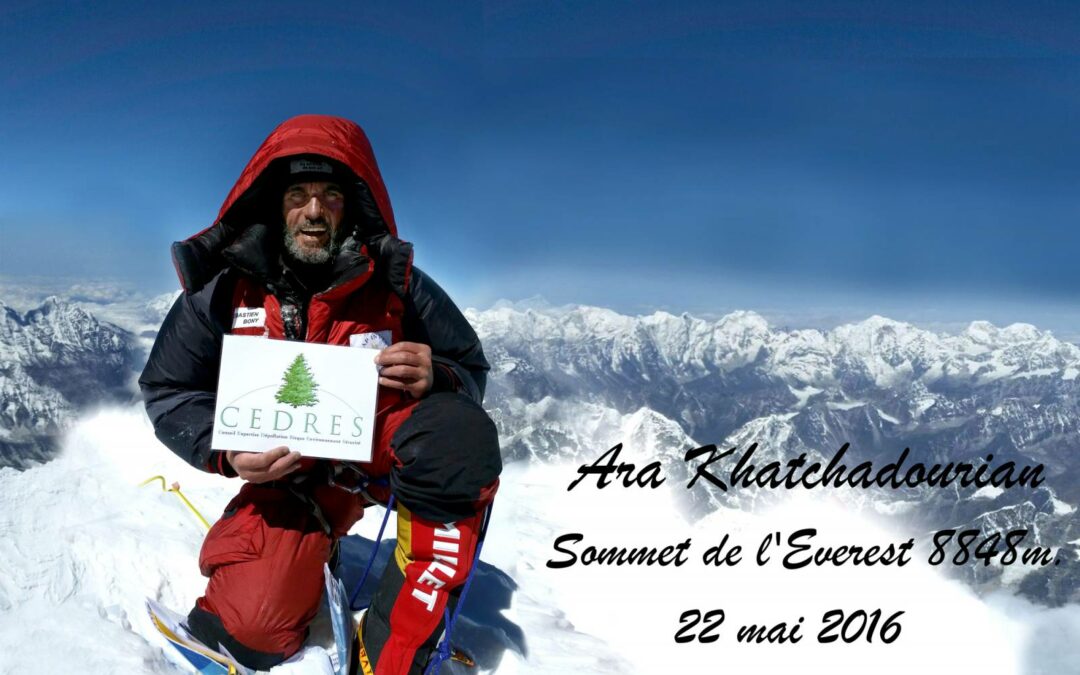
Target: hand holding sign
406	366
262	467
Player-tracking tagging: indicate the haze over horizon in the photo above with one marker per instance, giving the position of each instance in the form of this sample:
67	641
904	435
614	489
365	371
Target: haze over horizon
114	301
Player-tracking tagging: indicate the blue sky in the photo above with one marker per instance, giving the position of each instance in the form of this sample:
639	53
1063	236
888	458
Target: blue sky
796	158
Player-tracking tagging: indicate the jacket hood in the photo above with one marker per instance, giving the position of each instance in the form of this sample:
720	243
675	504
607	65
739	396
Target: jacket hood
333	137
254	198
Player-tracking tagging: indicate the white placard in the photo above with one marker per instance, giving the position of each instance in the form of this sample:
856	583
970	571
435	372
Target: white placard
318	400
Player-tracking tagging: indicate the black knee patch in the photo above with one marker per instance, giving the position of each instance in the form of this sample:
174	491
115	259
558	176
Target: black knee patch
450	458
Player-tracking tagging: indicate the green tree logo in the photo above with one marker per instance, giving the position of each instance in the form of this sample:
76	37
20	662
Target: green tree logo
298	387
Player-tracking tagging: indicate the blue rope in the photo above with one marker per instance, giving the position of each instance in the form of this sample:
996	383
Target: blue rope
443	651
371	560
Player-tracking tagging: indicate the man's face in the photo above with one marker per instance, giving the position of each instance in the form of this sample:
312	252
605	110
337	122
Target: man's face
312	214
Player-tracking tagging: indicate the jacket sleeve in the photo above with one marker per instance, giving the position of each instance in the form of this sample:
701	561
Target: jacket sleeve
432	317
179	382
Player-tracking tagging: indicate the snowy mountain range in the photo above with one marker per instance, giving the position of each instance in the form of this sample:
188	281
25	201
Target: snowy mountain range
56	360
572	382
569	383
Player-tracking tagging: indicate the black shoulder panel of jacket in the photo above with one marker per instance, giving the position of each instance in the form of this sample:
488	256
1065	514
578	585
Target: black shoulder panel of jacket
198	259
432	317
394	257
179	382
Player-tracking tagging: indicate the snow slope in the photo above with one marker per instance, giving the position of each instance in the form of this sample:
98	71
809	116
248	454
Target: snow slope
81	546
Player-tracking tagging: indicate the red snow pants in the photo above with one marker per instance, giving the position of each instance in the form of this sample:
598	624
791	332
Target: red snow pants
265	556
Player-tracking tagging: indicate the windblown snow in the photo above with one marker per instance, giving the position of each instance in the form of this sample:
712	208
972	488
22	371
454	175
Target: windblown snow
81	545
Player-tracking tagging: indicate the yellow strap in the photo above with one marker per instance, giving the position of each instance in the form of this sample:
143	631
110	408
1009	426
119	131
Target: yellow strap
175	489
403	552
365	662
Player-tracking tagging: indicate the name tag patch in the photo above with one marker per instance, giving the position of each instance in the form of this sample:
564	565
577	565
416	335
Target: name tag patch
378	340
249	317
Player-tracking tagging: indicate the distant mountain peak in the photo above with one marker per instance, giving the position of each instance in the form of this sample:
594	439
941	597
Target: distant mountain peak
56	358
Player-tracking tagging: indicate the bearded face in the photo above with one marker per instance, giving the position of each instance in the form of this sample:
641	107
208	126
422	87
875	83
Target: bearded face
312	213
